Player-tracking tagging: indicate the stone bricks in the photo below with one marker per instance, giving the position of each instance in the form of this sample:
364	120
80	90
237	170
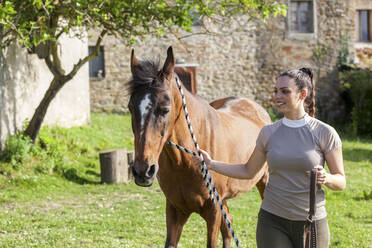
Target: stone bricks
240	58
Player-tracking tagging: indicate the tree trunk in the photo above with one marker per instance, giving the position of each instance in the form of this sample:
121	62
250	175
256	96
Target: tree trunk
59	80
33	127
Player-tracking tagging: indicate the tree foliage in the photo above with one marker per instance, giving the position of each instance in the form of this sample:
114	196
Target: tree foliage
357	84
33	22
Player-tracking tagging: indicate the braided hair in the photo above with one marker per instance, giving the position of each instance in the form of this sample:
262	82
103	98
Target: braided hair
303	78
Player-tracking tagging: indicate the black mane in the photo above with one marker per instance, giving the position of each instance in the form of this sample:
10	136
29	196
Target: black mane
146	75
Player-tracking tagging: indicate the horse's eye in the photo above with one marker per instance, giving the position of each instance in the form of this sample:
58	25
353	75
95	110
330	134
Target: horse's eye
163	111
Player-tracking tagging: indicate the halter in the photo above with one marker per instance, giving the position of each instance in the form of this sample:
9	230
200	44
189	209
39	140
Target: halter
203	167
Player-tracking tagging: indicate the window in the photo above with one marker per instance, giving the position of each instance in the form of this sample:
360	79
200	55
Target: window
97	65
301	17
365	25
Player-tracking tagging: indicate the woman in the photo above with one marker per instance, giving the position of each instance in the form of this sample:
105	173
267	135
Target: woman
292	147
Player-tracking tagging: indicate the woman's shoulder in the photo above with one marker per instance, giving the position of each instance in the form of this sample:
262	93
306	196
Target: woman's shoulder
274	124
272	127
265	134
325	134
320	126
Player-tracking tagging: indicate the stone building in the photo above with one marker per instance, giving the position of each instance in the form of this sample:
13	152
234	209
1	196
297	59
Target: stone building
24	79
243	58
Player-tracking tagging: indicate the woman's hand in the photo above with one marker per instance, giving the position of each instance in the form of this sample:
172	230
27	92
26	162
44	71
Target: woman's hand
241	171
207	159
322	175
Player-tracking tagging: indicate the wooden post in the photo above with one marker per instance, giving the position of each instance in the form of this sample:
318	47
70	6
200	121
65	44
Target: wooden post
114	166
130	158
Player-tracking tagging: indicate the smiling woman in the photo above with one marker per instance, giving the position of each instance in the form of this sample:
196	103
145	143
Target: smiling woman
292	147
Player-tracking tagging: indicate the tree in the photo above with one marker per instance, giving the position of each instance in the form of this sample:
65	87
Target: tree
38	24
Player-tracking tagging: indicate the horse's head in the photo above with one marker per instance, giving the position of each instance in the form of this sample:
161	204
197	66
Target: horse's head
152	113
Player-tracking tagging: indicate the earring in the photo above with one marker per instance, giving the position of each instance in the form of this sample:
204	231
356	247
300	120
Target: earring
303	95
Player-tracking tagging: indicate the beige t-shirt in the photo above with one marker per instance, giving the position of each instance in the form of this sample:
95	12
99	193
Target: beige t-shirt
292	149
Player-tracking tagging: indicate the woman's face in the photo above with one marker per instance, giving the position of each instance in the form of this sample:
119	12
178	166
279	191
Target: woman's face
287	97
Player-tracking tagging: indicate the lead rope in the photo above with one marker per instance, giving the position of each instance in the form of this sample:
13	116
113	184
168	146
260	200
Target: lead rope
203	167
310	227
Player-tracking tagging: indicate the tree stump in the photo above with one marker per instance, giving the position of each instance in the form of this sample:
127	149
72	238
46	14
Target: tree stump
130	158
114	166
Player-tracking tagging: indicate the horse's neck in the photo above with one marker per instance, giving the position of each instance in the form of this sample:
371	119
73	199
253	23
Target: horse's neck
200	115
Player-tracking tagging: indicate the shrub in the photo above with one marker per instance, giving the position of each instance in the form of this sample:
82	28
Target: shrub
42	157
17	149
358	84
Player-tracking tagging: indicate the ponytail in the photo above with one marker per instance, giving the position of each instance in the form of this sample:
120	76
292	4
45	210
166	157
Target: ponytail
310	102
310	99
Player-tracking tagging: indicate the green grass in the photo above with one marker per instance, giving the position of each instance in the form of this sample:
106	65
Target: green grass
65	206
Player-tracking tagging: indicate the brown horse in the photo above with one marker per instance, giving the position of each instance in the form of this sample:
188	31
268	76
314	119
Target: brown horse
227	129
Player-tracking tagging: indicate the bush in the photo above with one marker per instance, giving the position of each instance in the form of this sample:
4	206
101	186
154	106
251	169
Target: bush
17	149
357	83
41	157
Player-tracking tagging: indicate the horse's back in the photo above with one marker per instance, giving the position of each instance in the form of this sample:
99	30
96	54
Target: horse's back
244	108
242	120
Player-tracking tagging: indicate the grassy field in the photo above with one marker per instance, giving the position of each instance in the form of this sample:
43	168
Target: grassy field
51	197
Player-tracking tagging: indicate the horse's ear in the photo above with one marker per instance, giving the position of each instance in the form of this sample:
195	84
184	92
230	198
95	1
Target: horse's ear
168	67
134	64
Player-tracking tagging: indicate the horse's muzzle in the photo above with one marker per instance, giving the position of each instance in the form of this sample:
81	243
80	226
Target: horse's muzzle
144	174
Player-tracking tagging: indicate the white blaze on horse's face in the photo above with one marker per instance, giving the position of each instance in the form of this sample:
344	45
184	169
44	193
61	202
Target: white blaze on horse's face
144	108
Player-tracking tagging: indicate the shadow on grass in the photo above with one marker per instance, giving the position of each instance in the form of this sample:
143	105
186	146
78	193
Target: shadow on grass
72	175
357	155
367	219
365	196
93	173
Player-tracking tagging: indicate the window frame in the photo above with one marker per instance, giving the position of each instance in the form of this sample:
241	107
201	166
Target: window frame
101	55
359	26
302	36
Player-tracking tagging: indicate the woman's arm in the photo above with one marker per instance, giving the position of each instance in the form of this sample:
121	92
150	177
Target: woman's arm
240	171
334	180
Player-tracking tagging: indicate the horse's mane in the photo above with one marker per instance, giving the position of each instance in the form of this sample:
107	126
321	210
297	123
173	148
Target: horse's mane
146	75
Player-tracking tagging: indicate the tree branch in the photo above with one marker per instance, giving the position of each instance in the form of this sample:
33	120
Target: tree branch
50	64
52	59
59	34
94	54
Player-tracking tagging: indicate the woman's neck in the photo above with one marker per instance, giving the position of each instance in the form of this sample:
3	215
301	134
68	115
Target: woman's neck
295	115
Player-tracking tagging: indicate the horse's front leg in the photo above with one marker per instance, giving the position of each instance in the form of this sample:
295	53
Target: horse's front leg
212	216
226	234
175	222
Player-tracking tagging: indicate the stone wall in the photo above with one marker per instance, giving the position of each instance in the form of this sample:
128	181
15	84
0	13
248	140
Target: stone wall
24	78
241	58
227	63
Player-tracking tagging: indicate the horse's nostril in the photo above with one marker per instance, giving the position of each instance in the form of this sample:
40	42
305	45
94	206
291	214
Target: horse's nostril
151	171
